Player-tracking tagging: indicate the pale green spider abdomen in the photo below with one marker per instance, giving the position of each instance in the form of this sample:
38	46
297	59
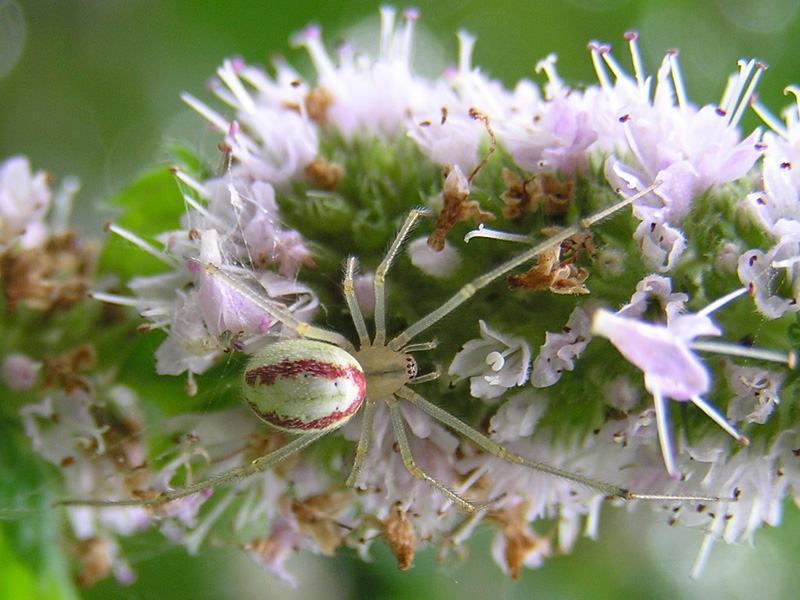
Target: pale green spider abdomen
303	385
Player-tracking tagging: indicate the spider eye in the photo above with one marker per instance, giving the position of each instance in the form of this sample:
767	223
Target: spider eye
411	367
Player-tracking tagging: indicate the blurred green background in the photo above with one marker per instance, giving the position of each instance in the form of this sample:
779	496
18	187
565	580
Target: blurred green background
91	88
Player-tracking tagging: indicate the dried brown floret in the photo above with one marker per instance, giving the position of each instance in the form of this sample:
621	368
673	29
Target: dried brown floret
65	371
94	557
399	533
456	208
552	273
456	188
520	539
583	241
557	195
520	196
323	174
51	278
315	517
317	103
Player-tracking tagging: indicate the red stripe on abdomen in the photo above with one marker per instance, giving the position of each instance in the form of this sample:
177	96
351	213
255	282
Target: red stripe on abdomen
289	369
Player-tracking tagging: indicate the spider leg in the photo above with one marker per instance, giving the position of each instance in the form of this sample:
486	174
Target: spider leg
469	290
422	346
364	440
351	266
383	269
258	465
500	452
408	460
304	329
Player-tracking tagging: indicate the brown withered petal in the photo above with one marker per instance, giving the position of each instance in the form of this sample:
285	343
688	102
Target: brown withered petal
520	196
399	534
583	241
66	369
512	524
548	274
51	278
323	174
557	195
455	208
94	560
318	100
315	517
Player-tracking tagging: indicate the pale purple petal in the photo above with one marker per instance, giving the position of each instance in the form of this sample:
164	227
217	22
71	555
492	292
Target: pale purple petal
24	200
19	372
493	363
668	365
441	264
224	309
661	244
559	350
756	392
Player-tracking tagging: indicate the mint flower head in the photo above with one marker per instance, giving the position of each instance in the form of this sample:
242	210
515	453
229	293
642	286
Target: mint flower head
620	213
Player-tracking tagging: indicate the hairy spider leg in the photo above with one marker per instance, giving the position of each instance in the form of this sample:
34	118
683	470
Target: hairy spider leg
252	291
383	269
500	452
249	289
471	288
255	294
258	465
364	440
394	358
348	287
459	298
410	464
368	411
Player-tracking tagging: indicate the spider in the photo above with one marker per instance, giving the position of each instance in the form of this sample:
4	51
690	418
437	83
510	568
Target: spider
314	385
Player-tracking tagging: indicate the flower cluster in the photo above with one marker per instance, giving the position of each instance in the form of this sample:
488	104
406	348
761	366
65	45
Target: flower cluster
24	201
318	170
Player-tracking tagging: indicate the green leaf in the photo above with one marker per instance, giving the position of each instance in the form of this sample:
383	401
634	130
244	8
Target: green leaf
151	205
32	564
17	580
